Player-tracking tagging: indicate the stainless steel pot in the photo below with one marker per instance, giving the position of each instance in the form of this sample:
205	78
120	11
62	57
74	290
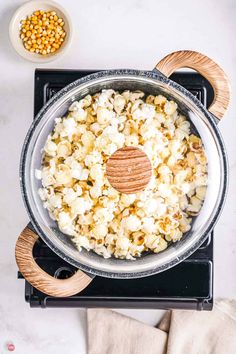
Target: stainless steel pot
151	82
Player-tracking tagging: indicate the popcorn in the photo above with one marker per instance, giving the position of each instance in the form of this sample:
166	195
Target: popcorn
127	199
131	140
69	195
86	219
79	114
180	177
122	243
152	241
162	245
88	139
133	96
80	205
95	192
80	152
55	201
164	190
147	130
103	98
154	206
102	251
148	225
194	206
85	102
99	230
47	178
201	192
96	128
183	202
184	224
93	158
170	107
166	224
175	235
96	171
78	195
185	187
104	116
191	159
43	193
103	215
114	136
109	149
63	174
131	223
65	223
119	103
82	242
146	112
160	100
64	149
69	128
81	129
50	148
84	175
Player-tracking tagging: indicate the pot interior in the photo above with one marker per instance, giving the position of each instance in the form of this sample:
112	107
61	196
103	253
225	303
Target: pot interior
203	125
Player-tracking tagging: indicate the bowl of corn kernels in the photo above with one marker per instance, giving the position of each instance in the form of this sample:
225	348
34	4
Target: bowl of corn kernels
40	31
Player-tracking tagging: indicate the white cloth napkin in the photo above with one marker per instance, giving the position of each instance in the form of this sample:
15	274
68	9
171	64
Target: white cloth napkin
180	332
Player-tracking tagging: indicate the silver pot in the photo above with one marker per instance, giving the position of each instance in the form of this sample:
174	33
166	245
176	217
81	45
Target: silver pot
151	82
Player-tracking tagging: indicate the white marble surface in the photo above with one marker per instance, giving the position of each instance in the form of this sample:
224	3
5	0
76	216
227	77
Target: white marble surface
108	34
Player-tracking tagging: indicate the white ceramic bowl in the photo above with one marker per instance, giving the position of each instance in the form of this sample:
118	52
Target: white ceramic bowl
27	9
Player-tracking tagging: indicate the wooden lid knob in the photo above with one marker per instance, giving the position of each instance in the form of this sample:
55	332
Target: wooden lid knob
129	170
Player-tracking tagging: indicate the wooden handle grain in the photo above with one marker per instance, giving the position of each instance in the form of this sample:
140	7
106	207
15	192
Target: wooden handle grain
129	170
207	68
38	278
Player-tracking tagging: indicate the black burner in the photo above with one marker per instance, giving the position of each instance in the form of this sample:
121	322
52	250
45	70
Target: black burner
189	285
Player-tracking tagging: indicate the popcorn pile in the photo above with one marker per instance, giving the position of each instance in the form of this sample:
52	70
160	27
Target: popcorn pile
78	195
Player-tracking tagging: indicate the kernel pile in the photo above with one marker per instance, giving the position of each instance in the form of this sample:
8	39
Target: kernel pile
42	32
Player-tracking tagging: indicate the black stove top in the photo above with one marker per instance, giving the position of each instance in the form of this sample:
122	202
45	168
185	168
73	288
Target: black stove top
188	285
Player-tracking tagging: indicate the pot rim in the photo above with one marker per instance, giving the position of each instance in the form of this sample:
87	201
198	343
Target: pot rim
155	75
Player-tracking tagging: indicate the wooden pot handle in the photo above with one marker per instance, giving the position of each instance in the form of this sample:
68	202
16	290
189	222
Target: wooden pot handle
37	277
207	68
